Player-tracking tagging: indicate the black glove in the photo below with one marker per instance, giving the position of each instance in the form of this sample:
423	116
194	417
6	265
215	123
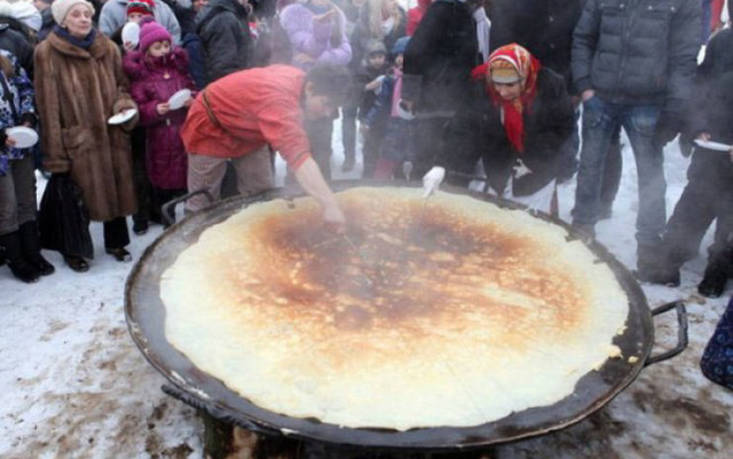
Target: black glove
668	126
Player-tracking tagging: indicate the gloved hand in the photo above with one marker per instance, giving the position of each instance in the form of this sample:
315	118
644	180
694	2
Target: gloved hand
432	180
668	126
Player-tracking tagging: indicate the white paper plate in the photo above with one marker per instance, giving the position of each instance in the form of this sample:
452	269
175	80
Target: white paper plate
710	145
177	100
123	116
24	137
131	33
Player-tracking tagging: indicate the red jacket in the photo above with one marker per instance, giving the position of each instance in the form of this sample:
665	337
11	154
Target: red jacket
414	16
252	107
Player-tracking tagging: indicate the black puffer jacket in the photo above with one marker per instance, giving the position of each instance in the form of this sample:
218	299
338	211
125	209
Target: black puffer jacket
638	51
17	43
477	131
222	26
544	27
439	58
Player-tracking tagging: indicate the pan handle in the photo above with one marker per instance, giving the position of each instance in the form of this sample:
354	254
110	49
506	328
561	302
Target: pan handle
168	206
214	411
678	306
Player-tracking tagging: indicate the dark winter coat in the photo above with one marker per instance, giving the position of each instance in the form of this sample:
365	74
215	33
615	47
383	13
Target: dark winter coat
195	50
638	52
222	26
439	58
77	90
19	46
544	27
154	81
477	130
47	24
711	111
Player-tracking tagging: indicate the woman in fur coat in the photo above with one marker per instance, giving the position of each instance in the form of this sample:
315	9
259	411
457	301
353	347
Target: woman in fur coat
79	85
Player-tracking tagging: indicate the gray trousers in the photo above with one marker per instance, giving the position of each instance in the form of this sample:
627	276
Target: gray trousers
17	195
254	174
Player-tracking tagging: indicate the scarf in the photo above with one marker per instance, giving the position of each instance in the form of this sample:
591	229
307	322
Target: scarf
527	67
84	43
483	29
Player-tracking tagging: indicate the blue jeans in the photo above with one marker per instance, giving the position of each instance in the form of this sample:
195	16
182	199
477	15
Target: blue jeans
600	121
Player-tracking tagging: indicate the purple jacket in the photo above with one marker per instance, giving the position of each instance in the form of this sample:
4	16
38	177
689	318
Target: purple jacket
311	41
153	81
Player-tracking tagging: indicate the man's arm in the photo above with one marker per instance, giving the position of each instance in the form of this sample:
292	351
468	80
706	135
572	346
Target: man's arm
310	178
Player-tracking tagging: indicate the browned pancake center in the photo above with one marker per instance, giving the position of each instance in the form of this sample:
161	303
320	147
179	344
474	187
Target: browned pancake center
398	263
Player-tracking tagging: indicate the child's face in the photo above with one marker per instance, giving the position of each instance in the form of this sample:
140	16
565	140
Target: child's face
399	60
135	17
159	48
377	60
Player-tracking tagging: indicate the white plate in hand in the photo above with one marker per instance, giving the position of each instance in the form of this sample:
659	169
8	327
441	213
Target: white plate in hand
179	99
710	145
24	137
123	116
131	33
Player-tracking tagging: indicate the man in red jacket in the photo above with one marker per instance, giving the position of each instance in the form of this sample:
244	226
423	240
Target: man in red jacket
241	116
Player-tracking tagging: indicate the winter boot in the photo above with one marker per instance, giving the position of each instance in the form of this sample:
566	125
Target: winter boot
653	266
29	239
19	266
715	278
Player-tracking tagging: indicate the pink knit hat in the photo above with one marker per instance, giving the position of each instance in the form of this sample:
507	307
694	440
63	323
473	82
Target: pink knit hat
152	32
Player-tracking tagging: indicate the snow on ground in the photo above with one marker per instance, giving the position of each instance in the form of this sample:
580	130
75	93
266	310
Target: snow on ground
74	384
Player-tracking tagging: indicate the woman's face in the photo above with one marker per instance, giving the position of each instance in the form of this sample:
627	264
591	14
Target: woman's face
78	20
159	48
388	7
508	91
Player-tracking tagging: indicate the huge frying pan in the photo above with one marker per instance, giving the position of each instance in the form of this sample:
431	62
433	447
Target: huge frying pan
145	315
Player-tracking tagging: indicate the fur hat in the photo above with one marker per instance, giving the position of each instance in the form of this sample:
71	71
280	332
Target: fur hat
152	32
60	8
144	7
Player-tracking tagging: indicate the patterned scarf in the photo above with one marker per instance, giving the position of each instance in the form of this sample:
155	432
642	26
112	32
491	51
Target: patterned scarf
527	66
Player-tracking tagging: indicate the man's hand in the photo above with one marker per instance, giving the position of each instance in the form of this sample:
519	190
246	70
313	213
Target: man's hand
334	218
310	178
432	180
668	126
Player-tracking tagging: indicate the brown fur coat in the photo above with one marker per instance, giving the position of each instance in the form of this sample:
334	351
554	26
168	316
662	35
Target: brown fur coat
76	92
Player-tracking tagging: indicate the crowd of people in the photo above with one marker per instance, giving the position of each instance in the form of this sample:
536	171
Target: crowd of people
447	90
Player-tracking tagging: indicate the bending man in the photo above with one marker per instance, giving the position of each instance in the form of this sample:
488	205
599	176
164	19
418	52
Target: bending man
242	115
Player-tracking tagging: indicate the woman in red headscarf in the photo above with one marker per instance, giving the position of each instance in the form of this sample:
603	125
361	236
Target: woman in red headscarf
520	118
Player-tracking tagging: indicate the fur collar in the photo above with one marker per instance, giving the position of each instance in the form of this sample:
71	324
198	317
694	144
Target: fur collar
99	48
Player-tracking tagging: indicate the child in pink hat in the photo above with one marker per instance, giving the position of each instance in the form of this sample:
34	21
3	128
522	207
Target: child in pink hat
157	71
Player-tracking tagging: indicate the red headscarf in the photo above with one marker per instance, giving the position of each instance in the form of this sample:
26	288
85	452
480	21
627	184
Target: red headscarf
527	66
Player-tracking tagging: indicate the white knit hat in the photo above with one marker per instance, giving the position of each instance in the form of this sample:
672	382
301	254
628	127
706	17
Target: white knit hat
60	8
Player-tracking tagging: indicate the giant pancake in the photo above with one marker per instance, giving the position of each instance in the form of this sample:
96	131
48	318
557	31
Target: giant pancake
446	312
